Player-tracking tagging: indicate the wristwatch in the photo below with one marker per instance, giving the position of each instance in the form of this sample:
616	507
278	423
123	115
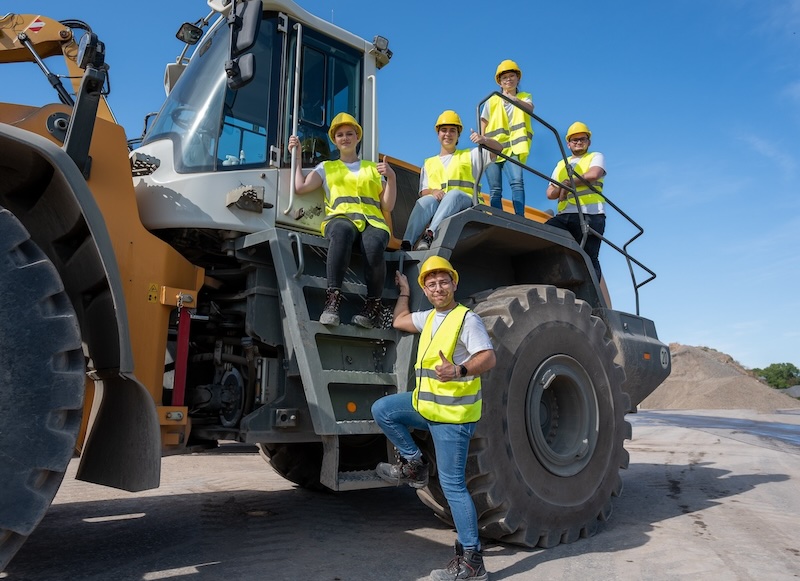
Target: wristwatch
463	370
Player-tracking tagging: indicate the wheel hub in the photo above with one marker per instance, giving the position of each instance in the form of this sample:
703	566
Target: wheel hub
562	415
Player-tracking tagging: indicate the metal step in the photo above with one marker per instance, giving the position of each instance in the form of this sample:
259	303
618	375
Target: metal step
331	477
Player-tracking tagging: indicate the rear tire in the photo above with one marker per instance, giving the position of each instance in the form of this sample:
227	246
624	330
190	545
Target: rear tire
41	384
301	462
545	459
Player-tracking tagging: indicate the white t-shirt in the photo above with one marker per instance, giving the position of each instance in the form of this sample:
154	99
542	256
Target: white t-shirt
478	158
473	339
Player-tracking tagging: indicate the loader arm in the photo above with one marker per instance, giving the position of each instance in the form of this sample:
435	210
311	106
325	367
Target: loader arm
33	38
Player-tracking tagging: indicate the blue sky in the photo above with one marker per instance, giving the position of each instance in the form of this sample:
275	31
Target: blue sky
695	104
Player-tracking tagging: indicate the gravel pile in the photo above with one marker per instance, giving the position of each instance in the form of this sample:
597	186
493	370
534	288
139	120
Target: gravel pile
703	378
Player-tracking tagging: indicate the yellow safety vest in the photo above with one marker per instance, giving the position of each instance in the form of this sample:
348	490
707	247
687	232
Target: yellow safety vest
457	174
451	402
590	201
355	196
516	135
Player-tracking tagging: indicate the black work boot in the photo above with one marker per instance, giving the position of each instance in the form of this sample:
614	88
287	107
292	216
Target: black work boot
330	314
414	473
370	315
465	565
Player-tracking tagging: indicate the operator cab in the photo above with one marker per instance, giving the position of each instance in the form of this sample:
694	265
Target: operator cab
210	140
214	128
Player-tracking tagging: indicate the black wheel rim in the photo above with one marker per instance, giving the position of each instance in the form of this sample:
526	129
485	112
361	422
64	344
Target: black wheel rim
562	415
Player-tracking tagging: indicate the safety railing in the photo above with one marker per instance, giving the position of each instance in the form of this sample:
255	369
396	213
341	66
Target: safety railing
575	177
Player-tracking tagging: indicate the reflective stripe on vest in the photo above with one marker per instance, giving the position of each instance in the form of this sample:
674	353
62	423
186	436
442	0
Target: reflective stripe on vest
457	174
354	195
515	135
453	402
591	202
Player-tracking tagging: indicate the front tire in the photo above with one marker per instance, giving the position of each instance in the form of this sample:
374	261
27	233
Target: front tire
41	384
545	459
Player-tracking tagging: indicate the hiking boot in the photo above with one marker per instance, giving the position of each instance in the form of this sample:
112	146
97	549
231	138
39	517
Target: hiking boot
465	565
405	245
426	241
415	473
370	315
330	314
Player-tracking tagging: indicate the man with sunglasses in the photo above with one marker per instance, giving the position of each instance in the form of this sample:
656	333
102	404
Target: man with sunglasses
591	166
454	350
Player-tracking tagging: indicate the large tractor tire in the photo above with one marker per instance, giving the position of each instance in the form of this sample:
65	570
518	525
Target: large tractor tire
301	462
545	459
41	384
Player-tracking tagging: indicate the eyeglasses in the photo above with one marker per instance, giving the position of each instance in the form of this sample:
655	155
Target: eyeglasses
432	286
579	140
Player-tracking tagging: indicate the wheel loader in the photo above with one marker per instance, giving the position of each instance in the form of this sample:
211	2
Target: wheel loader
162	296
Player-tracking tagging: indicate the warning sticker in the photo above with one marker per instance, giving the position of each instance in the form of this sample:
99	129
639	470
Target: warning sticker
36	25
152	293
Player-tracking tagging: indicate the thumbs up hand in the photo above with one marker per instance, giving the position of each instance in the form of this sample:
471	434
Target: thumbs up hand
385	169
446	370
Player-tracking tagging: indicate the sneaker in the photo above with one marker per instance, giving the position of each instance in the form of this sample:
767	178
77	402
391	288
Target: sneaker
405	245
370	315
415	473
330	314
426	240
465	565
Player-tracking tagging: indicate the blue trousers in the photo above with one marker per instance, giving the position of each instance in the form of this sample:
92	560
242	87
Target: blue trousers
429	210
513	173
396	415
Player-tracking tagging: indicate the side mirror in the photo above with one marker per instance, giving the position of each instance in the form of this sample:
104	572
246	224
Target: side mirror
189	33
244	20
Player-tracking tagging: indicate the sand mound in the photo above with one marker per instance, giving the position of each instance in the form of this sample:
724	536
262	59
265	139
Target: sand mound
703	378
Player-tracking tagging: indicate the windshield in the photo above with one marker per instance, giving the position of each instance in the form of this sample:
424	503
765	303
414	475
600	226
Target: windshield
211	127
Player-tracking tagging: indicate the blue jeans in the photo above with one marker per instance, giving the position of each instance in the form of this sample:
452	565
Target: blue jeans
396	415
429	210
494	175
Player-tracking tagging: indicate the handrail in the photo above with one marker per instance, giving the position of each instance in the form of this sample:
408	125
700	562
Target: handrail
295	114
373	154
572	188
301	262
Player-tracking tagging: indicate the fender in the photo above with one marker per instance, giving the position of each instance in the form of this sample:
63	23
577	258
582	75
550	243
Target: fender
42	186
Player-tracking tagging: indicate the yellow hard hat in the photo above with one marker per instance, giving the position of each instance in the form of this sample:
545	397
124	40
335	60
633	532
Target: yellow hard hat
434	264
344	119
506	66
449	118
578	127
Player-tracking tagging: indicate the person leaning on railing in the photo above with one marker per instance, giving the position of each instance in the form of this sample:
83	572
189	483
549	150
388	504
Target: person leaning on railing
591	167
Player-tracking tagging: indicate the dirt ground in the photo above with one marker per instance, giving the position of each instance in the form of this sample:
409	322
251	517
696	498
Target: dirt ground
710	493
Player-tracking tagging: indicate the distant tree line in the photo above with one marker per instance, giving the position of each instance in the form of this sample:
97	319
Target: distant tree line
779	375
